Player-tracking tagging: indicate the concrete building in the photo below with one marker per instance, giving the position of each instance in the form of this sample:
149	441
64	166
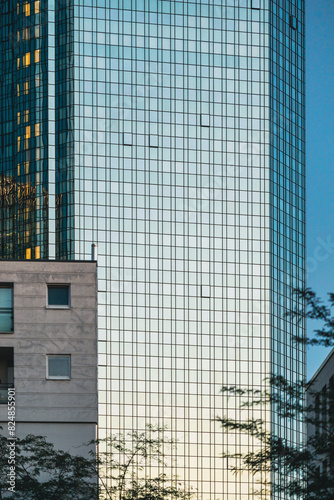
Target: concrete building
48	349
171	134
320	397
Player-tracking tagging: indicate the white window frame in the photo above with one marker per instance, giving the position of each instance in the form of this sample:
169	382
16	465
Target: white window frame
54	377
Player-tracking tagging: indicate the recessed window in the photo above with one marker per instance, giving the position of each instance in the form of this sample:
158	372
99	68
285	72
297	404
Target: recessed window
154	141
255	4
293	22
6	308
6	372
58	366
205	291
205	120
59	295
127	139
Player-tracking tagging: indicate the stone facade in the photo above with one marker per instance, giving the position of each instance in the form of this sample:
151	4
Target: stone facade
63	410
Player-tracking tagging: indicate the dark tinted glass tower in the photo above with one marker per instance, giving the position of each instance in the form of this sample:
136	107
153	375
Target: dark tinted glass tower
170	133
24	131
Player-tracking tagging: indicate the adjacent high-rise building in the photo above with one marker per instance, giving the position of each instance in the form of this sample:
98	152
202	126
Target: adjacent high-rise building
170	134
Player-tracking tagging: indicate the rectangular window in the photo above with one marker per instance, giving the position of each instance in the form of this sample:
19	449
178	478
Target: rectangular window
127	139
6	308
205	120
205	291
26	8
58	366
59	295
154	141
255	4
6	372
293	22
26	60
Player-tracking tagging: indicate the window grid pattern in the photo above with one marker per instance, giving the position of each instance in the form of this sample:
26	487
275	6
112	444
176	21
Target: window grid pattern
23	122
174	154
64	125
287	204
190	212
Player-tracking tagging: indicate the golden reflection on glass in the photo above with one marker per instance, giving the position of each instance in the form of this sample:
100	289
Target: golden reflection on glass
26	60
26	9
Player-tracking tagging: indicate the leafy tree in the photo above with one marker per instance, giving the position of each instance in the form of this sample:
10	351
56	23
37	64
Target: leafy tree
278	465
121	472
127	461
43	473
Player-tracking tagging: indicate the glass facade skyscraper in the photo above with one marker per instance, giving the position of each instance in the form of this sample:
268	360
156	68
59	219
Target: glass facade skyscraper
170	133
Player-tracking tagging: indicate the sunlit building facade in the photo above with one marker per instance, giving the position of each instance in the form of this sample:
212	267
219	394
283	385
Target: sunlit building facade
170	134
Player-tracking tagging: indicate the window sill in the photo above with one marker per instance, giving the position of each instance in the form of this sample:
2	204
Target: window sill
62	379
57	307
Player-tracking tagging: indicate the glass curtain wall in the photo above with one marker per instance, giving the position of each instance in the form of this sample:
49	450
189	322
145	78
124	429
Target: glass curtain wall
287	198
170	133
23	130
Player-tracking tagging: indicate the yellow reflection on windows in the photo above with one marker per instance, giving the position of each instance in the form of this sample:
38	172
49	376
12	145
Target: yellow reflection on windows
18	36
26	60
18	118
37	31
26	8
28	253
37	55
18	8
26	88
37	6
18	169
18	143
27	136
37	129
18	63
26	115
26	167
18	90
37	252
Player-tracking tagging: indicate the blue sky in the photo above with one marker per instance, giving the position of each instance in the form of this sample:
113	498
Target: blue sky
320	155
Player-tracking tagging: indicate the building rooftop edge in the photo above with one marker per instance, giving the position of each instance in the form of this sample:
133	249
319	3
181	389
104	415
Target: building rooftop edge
320	368
56	261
